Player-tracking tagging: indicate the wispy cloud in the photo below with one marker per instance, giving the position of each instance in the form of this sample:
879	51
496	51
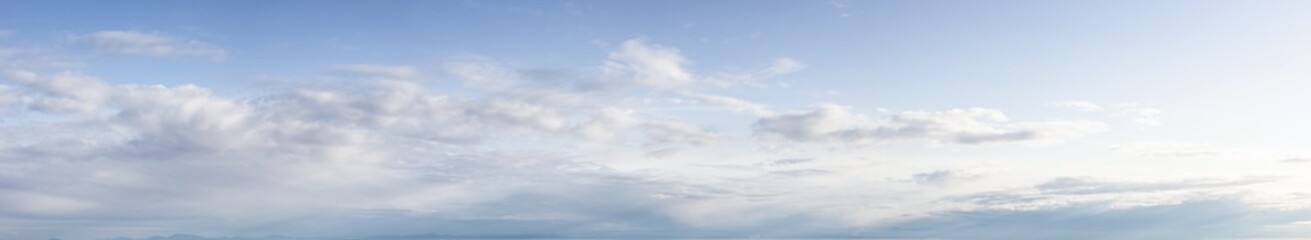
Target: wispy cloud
651	64
152	44
836	123
1082	106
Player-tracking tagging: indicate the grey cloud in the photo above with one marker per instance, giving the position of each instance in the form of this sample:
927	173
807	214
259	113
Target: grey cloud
941	177
667	135
801	172
379	142
1206	219
153	44
833	123
1066	191
1297	160
785	162
1093	186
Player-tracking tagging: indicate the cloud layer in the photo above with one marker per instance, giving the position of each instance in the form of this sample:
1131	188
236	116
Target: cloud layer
385	151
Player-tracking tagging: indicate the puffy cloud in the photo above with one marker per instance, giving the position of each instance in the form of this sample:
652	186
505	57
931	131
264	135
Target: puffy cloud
835	123
520	152
138	43
1082	106
64	92
197	155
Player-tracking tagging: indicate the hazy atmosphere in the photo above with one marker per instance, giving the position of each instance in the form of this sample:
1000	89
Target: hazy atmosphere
360	120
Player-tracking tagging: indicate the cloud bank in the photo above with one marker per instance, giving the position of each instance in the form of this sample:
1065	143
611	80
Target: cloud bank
383	152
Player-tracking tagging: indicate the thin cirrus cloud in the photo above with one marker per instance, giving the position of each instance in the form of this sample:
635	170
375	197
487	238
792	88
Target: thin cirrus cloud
151	44
1082	106
652	64
973	126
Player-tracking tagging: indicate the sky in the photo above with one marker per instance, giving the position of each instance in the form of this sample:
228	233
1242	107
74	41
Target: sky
184	120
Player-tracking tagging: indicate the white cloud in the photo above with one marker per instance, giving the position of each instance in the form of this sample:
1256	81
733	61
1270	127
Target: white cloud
652	64
1138	114
1180	149
33	58
735	104
518	151
782	66
481	73
835	123
138	43
64	92
1082	106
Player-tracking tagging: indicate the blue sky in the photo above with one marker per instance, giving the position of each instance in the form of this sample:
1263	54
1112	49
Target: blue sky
659	119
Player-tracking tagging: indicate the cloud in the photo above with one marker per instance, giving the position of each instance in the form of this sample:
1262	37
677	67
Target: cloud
64	92
835	123
942	177
651	64
1082	106
1297	160
1139	115
309	153
1179	149
1201	219
1092	186
136	43
780	66
666	135
17	58
379	140
735	104
1067	191
527	152
785	162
